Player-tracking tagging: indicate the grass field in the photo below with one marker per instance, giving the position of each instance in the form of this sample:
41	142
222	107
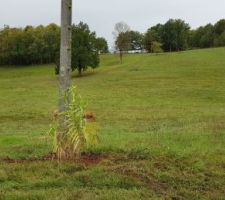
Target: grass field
162	130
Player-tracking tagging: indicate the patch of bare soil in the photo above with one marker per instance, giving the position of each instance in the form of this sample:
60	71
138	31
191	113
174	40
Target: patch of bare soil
28	160
90	116
92	159
87	159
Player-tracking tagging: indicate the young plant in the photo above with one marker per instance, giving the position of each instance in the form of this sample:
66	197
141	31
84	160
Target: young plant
70	139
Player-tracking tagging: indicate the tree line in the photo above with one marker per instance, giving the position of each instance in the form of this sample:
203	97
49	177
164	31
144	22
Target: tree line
29	45
41	45
174	35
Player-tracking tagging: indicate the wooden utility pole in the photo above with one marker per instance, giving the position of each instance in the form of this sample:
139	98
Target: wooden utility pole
65	51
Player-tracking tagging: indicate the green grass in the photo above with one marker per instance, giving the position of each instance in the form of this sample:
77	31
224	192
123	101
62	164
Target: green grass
162	116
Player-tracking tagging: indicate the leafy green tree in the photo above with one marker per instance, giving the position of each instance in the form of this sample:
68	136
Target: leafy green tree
156	47
219	30
219	40
51	42
84	50
152	35
136	40
219	27
203	37
174	35
207	38
29	45
102	45
195	36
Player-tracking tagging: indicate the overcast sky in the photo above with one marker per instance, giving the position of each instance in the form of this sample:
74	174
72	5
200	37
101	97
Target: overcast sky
101	15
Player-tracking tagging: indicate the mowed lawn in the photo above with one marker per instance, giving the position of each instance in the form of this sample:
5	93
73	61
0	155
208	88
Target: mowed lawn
162	130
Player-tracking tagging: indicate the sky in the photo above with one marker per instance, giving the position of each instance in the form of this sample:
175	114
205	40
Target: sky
102	15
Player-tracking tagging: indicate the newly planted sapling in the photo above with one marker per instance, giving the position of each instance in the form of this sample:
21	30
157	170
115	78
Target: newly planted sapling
76	133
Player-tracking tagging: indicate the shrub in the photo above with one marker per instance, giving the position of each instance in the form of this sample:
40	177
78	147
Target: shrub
156	47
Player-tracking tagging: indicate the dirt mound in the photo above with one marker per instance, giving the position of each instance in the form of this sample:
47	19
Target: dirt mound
89	116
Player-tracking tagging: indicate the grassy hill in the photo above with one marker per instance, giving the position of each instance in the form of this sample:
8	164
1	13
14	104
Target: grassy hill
162	129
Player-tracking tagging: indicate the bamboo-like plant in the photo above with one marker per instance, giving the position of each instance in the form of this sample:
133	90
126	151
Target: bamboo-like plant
70	139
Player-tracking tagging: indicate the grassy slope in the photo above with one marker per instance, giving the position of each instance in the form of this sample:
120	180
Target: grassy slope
165	115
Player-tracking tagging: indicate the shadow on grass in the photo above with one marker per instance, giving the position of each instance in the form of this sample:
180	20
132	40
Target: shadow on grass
84	74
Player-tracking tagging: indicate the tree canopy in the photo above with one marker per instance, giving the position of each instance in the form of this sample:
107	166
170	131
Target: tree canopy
29	45
84	48
41	44
102	45
174	35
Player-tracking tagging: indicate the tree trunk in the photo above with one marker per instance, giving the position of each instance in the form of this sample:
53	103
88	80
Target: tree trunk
121	56
65	51
79	71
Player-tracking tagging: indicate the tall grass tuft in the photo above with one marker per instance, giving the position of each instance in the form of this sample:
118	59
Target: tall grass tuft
71	132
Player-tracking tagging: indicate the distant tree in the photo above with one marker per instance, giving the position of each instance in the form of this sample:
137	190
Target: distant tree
195	36
40	45
51	37
219	40
136	40
219	27
31	45
207	38
123	43
102	45
156	47
174	35
219	30
122	37
120	27
203	37
11	45
84	50
190	40
152	35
